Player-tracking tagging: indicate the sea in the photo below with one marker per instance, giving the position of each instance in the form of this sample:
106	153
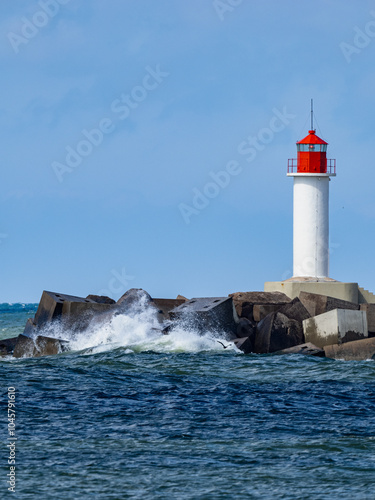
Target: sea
129	413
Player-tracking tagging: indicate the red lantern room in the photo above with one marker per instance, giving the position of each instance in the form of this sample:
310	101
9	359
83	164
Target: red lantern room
312	157
312	154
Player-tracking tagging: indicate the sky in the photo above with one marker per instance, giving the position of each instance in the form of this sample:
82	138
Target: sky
144	144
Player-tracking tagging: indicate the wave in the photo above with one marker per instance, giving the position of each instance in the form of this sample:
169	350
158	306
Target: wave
138	330
9	307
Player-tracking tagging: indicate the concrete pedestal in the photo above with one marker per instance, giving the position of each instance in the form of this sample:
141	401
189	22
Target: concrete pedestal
331	288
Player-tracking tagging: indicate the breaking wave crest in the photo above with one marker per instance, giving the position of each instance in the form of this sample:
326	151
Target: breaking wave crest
137	330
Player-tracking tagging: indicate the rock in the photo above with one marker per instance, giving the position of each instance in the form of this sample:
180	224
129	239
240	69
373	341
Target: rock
27	347
357	350
244	344
244	302
336	327
370	312
277	332
101	299
295	310
317	304
7	346
208	314
308	348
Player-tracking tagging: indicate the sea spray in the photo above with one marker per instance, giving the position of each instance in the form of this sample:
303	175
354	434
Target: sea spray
138	330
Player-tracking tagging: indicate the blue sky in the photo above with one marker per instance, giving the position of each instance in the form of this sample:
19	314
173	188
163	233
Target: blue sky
159	98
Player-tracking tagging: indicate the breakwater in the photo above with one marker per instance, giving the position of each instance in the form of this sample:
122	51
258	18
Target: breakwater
190	422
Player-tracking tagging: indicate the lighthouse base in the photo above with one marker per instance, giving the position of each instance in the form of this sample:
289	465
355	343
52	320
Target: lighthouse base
321	286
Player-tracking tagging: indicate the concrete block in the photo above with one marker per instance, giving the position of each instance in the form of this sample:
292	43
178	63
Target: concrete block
307	349
295	310
246	328
245	310
244	344
260	311
168	326
333	303
277	332
261	297
335	327
181	297
27	347
370	313
318	304
244	302
133	300
7	346
57	305
101	299
164	306
50	307
30	328
358	350
208	314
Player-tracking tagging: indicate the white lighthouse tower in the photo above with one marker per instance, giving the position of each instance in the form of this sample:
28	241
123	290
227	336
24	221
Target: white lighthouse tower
311	172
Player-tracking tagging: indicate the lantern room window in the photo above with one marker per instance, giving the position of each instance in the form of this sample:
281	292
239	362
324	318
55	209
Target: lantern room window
321	148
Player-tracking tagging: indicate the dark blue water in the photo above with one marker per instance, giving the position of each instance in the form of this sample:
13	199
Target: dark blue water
186	420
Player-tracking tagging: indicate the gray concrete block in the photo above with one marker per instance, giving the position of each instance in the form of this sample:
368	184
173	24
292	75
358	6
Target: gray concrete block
246	328
181	297
69	307
260	311
27	347
333	303
295	310
208	314
261	297
244	303
317	304
370	313
30	328
50	307
357	350
336	327
164	306
101	299
133	301
277	332
306	349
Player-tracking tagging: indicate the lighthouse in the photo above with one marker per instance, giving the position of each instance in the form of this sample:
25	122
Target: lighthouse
311	173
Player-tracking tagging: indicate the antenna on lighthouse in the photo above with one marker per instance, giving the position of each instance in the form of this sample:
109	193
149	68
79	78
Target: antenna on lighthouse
312	114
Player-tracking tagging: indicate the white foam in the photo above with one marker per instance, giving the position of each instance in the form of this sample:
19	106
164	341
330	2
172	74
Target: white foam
138	331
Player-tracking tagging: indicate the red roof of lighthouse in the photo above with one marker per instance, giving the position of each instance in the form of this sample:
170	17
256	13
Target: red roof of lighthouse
312	138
